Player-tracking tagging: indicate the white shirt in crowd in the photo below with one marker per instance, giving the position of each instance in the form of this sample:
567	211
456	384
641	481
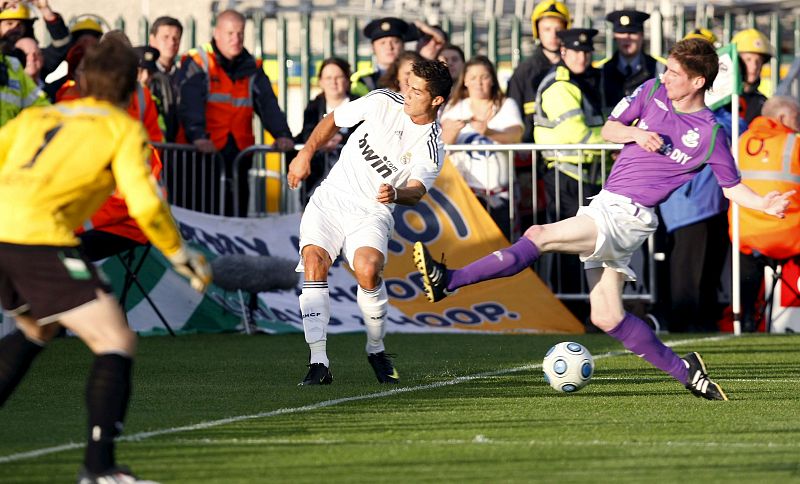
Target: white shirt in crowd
483	171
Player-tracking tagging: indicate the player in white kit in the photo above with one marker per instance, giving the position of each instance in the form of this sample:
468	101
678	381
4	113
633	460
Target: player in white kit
393	157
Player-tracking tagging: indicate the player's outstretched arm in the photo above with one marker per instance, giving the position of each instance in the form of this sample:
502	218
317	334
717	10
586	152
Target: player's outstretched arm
300	167
773	203
410	194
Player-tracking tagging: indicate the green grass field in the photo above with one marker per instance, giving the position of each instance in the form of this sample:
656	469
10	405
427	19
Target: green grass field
472	408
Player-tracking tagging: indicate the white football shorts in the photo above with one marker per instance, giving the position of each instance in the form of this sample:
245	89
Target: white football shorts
341	225
622	227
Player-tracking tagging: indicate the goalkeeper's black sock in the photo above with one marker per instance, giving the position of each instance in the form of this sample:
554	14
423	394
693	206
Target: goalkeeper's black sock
107	393
16	355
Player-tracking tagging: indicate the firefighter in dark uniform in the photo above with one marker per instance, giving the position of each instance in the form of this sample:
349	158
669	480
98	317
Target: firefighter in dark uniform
548	18
388	36
629	67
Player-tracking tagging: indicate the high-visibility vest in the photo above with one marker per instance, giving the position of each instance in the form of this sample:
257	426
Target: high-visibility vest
363	81
769	159
570	119
113	216
229	107
19	90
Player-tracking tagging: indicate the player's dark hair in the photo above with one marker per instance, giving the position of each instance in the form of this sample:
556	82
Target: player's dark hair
165	22
109	71
698	58
436	76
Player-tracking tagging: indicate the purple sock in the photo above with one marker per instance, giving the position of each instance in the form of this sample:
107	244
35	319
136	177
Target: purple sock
501	263
640	339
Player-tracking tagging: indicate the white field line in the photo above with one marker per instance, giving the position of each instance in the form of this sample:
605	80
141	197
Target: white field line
315	406
481	440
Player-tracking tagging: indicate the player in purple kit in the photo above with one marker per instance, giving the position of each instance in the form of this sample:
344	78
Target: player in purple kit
675	137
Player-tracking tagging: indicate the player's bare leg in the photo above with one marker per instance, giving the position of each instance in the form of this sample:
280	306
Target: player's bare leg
315	308
373	301
102	326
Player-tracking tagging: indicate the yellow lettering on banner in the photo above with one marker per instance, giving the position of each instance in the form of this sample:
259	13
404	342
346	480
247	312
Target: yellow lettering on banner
520	303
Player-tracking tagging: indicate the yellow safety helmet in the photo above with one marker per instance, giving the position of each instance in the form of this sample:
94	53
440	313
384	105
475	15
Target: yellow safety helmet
702	33
550	8
20	12
86	25
751	40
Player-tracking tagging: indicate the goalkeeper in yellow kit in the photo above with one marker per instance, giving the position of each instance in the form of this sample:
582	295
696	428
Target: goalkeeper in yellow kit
57	166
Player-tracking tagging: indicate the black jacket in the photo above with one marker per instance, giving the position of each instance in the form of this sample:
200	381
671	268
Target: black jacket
314	113
56	52
194	93
750	104
165	90
615	85
523	85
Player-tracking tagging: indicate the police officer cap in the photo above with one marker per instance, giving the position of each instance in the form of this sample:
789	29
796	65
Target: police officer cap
578	39
390	27
627	21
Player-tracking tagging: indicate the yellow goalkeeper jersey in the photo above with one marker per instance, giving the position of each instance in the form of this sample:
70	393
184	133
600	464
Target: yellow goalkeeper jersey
59	163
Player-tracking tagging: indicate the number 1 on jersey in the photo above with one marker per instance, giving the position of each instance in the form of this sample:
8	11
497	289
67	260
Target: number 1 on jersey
48	137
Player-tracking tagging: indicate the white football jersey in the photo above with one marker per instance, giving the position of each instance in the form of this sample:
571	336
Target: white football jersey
386	148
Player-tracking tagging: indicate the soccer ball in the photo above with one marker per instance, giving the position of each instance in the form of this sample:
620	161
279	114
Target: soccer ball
568	367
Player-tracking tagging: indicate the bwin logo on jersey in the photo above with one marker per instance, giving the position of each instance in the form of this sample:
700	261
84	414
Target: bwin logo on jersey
383	166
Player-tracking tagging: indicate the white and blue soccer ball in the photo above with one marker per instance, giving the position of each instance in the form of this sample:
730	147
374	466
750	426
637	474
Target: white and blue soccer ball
568	367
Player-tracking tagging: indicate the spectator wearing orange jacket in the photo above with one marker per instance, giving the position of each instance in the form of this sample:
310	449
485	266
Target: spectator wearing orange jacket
223	86
769	159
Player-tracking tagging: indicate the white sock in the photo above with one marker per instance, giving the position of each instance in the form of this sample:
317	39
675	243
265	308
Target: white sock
315	307
373	304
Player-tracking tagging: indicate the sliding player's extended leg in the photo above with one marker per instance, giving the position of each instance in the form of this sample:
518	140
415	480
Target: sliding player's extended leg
575	235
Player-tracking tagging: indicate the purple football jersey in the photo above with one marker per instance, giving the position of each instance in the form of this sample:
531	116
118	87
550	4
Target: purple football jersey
690	142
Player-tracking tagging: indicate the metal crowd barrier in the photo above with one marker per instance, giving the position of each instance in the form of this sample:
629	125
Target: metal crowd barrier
269	195
208	183
192	179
